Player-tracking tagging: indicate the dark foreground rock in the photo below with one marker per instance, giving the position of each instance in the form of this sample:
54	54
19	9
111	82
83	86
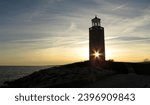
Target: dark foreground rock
82	74
71	75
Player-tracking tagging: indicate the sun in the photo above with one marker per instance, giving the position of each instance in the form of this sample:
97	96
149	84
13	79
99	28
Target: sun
96	54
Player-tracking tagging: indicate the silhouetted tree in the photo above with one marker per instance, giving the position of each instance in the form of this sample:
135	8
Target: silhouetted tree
146	60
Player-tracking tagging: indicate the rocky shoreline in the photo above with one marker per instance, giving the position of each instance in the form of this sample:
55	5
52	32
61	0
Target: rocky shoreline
76	75
71	75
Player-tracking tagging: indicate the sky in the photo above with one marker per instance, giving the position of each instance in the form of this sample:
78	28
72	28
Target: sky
54	32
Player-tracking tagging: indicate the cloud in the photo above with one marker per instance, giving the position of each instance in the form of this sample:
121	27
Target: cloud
130	38
118	7
42	24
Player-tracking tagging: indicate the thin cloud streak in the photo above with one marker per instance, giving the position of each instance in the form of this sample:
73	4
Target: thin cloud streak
119	7
45	24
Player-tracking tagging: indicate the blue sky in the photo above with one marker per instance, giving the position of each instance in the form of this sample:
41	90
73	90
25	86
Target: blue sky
42	32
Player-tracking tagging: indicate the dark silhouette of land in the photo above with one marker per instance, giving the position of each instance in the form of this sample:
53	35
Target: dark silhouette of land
81	74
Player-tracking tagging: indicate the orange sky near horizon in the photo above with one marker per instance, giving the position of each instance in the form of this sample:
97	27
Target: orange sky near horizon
55	32
59	56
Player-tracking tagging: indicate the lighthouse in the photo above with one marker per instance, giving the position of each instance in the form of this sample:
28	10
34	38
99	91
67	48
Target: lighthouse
96	42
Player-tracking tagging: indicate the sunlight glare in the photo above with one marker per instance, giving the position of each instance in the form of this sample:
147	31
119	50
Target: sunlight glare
96	54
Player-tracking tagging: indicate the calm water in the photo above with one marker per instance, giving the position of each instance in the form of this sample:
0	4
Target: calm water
8	73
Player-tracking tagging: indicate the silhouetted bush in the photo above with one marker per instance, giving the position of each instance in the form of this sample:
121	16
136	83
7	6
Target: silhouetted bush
110	60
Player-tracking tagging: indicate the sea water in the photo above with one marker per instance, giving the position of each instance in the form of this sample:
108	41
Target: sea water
9	73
